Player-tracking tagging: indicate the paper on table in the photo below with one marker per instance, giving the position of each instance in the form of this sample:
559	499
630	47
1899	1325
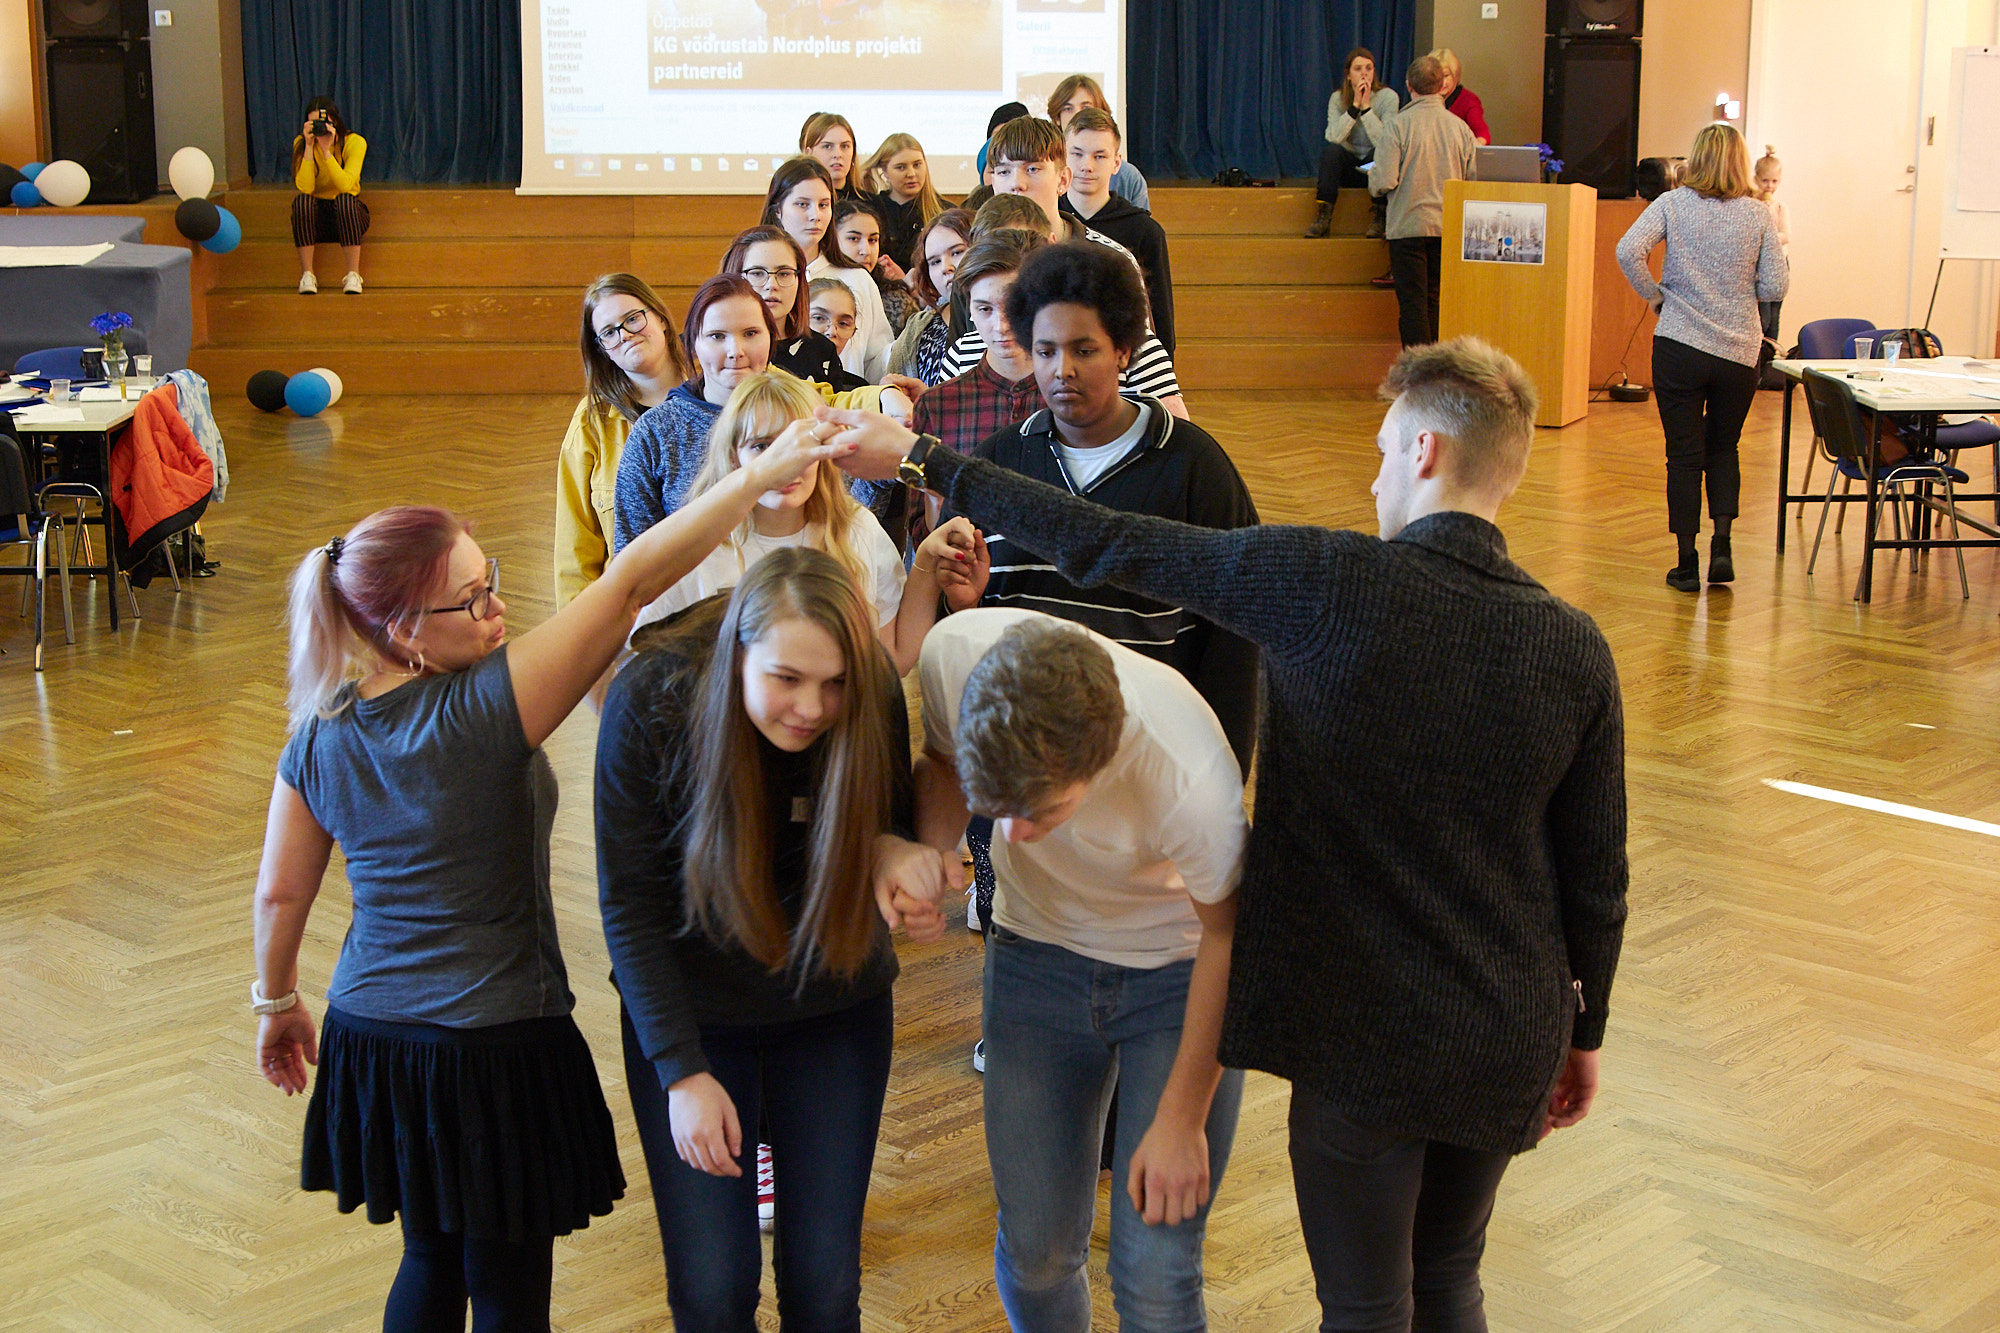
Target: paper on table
47	414
105	395
50	256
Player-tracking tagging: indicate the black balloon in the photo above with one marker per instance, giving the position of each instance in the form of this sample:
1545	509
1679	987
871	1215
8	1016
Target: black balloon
9	178
266	390
198	219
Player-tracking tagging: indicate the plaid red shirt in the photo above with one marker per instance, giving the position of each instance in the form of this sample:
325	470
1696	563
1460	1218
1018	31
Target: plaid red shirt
967	411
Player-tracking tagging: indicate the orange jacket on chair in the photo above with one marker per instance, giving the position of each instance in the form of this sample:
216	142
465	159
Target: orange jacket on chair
160	478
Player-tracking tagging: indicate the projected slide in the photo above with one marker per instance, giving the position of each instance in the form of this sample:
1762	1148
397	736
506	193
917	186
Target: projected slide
707	96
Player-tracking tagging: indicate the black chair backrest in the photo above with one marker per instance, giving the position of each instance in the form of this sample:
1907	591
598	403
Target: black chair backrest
1836	417
15	497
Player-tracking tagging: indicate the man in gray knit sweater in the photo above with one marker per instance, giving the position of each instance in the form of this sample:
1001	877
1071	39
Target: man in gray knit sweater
1433	895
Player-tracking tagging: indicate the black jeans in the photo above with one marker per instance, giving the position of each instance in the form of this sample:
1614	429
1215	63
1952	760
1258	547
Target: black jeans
816	1085
1395	1226
1416	263
1703	400
1339	168
507	1283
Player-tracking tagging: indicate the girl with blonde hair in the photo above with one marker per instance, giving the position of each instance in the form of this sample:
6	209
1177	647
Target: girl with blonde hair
1723	257
816	511
906	202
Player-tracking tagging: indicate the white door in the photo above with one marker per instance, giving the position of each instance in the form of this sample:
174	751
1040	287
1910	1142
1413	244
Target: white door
1834	86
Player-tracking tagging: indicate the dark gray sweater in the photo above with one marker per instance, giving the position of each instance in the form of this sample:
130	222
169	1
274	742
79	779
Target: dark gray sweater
1436	875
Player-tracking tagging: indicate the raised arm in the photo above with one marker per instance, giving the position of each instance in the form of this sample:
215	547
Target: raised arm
1272	585
345	171
1636	245
556	662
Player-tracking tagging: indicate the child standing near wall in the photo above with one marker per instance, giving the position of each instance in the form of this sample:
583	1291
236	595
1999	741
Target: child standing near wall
1769	173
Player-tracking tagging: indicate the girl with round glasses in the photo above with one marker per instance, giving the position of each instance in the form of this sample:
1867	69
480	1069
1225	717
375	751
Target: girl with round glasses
770	260
631	362
454	1090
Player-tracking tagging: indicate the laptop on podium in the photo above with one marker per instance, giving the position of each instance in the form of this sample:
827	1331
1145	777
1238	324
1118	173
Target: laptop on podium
1508	163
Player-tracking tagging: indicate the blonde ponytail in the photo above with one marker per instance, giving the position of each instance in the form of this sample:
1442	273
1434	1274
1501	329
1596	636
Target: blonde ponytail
324	647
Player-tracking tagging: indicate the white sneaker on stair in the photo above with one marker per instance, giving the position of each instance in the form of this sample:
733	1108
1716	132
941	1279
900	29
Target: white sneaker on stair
308	284
351	284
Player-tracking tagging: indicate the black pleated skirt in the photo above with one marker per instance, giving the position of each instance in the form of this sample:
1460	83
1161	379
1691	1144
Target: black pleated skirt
499	1133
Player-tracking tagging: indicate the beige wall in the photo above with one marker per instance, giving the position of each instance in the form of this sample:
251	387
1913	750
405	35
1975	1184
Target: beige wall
198	85
20	121
1693	49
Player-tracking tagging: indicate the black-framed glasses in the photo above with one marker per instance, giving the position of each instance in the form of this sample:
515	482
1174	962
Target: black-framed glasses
760	276
481	604
631	326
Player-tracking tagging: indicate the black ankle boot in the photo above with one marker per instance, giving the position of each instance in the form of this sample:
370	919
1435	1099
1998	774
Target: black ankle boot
1685	578
1721	569
1322	221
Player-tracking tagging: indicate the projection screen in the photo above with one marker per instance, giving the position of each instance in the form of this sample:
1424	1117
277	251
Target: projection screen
707	96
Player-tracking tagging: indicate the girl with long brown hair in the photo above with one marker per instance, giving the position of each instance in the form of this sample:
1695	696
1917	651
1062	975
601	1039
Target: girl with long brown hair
1357	116
326	169
829	139
747	773
631	362
454	1088
925	343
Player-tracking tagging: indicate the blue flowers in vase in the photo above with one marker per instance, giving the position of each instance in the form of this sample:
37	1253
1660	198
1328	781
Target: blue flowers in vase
1552	166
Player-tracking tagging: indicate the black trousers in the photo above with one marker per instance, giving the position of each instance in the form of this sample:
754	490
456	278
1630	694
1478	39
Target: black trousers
1395	1226
1416	263
507	1284
1339	168
1703	400
341	220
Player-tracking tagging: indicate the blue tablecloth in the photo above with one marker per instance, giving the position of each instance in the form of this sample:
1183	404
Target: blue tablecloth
53	307
70	229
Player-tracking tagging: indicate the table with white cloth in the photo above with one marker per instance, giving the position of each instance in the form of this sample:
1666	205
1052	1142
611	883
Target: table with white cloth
51	304
1926	388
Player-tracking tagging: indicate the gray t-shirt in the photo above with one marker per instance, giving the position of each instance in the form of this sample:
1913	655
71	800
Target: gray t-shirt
443	814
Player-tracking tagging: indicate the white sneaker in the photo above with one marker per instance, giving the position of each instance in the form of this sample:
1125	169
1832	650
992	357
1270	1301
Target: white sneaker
351	284
972	922
979	1056
308	285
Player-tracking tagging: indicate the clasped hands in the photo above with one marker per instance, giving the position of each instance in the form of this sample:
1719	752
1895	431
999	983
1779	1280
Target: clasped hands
910	879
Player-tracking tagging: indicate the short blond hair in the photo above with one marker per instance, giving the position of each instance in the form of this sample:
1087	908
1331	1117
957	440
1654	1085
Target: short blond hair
1476	396
1718	165
1447	57
1041	710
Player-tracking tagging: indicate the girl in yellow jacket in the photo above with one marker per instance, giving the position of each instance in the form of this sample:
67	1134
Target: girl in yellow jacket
326	167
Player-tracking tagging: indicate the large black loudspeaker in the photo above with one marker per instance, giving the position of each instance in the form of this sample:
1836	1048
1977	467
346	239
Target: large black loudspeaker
104	20
101	115
1595	18
1590	112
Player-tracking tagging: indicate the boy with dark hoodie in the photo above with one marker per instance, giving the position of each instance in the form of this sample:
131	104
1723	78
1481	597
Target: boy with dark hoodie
1095	148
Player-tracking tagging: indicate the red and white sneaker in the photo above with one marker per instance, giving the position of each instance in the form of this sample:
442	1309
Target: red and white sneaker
767	1189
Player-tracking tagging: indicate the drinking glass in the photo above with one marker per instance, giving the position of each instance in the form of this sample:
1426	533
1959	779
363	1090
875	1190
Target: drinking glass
58	391
1864	349
1891	349
142	365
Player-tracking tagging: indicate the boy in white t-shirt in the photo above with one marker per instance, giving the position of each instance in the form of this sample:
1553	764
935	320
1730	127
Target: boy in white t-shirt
1119	831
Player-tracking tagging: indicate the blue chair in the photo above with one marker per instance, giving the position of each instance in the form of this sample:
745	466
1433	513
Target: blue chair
1830	339
56	363
1837	419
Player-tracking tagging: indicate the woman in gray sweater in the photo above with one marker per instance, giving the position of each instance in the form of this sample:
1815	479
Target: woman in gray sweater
1357	116
1723	257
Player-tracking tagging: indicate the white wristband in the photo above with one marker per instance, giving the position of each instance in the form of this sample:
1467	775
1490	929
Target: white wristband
260	1005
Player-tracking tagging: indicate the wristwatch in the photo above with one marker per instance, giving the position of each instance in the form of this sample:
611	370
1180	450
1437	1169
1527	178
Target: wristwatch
911	470
260	1005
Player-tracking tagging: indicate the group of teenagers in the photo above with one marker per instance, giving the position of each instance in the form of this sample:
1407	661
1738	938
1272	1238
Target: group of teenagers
755	545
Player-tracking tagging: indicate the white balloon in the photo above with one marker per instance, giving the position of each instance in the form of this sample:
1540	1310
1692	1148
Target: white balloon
332	382
64	183
191	173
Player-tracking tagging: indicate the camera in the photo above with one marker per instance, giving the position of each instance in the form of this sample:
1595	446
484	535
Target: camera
322	127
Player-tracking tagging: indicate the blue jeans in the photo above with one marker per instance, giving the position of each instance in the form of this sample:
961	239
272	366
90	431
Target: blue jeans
816	1086
1062	1031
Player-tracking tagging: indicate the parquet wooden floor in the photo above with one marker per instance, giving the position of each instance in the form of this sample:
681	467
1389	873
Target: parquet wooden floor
1801	1121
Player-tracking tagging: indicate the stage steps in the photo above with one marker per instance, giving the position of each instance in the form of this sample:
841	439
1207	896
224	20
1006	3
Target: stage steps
477	291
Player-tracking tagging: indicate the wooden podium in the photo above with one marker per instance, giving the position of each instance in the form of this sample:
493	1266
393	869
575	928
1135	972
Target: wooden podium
1519	266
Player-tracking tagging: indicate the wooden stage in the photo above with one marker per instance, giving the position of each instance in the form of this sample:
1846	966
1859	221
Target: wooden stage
1800	1127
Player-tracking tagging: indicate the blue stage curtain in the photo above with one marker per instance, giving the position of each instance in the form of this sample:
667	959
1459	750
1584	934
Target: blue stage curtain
434	86
1212	84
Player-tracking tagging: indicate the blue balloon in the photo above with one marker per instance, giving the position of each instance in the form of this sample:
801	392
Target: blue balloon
33	169
24	194
228	236
307	393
